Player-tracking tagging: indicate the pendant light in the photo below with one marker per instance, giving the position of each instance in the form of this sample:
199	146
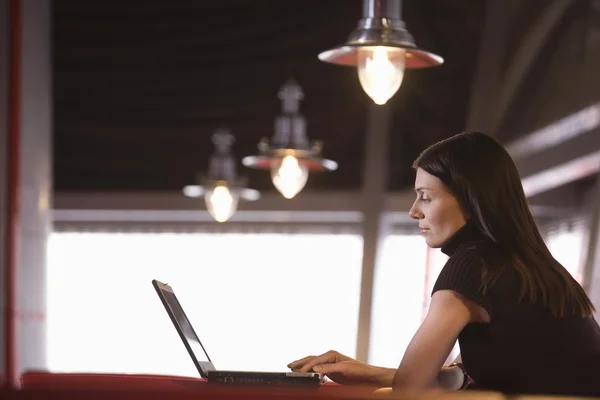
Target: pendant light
381	49
290	157
222	189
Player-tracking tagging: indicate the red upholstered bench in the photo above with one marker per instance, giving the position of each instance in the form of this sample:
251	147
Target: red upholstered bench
36	385
39	380
90	381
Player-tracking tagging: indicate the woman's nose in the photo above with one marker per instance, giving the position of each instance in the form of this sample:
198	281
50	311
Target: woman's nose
414	212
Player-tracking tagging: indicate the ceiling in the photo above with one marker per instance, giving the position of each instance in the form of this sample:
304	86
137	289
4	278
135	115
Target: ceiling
140	87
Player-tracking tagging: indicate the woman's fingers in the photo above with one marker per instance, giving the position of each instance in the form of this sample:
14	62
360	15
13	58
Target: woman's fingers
294	365
306	364
325	358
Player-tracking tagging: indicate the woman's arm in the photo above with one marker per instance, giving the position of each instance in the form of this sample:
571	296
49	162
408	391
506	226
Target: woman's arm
421	366
346	370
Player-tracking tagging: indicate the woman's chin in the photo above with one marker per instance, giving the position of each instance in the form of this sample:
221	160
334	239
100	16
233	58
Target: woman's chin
431	242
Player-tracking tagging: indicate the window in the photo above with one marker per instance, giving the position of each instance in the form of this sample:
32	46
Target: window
566	243
399	293
402	293
257	301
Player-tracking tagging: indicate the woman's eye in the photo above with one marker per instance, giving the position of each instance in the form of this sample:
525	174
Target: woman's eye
425	199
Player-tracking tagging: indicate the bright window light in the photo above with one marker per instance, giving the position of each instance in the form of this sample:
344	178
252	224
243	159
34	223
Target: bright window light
399	292
566	246
257	301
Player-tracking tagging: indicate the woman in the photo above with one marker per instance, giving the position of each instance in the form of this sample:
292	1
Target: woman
524	325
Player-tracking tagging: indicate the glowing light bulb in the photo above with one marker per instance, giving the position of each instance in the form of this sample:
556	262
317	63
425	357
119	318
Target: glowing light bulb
289	176
380	71
220	202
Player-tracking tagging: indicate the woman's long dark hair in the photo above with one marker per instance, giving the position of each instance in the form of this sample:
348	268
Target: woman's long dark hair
484	179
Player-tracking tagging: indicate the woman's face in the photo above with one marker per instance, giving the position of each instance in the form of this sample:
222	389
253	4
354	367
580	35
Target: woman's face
436	209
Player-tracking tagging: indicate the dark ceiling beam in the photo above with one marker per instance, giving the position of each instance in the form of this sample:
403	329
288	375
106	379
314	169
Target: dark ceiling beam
557	175
558	133
171	207
488	73
563	152
200	215
524	58
330	201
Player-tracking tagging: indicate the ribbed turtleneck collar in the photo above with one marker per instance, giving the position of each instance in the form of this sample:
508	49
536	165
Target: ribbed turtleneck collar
466	234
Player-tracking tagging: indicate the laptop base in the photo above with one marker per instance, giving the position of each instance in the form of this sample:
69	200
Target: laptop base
264	378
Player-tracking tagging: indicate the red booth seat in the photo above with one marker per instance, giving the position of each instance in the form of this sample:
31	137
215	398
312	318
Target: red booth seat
41	380
70	386
44	381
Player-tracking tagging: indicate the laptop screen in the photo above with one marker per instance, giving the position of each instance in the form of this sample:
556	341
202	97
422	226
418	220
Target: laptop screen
186	327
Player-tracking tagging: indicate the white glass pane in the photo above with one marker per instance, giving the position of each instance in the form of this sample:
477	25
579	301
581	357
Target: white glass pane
566	246
257	301
399	293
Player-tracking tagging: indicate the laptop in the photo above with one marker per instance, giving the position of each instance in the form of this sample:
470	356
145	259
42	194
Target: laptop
203	362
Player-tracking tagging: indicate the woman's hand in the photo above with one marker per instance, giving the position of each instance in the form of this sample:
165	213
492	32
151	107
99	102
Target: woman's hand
344	370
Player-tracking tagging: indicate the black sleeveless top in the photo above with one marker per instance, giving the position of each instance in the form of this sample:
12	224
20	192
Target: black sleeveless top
524	349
